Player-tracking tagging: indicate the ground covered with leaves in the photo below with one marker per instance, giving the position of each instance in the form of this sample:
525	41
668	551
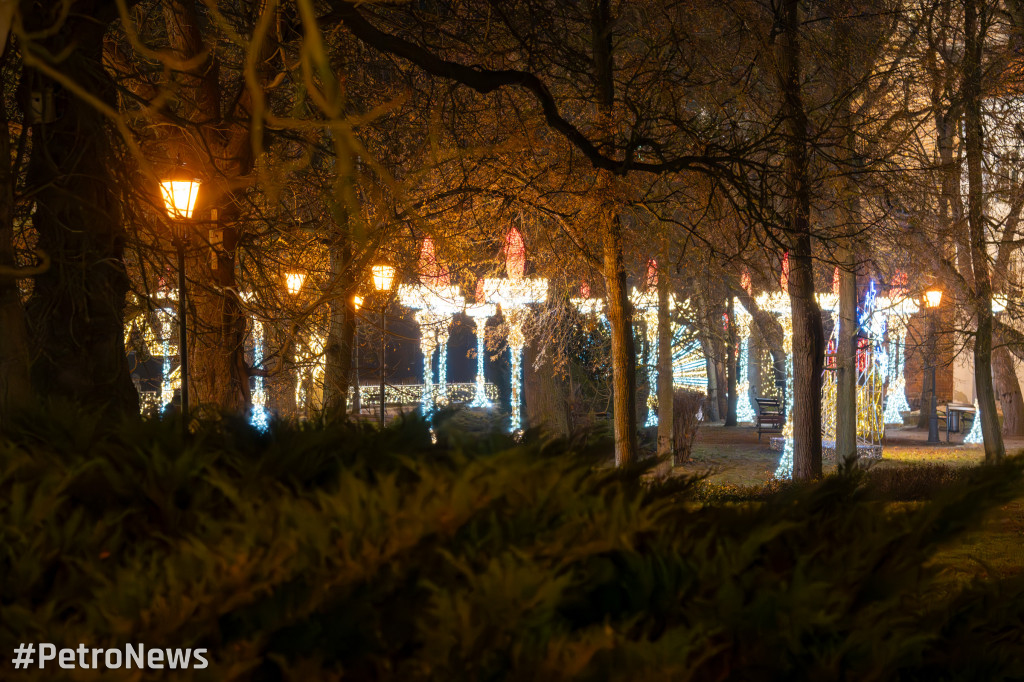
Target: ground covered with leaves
331	551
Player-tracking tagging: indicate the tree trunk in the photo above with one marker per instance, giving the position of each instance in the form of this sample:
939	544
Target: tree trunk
341	334
544	392
808	334
76	310
1008	389
620	320
711	404
846	359
730	366
973	45
666	436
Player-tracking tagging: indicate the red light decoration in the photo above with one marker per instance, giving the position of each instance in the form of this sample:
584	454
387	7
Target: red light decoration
835	281
745	282
651	280
515	254
898	288
585	290
784	280
431	272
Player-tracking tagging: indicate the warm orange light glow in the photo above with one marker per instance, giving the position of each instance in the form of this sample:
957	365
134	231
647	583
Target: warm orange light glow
357	301
294	282
383	276
933	298
179	197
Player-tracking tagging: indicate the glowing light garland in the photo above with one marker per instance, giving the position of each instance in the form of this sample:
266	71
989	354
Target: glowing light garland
829	387
785	468
872	366
480	313
896	393
167	384
975	435
309	369
744	409
647	302
428	344
260	415
590	306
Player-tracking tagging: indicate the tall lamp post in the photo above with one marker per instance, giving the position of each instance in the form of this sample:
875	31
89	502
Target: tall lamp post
932	300
383	277
179	195
357	301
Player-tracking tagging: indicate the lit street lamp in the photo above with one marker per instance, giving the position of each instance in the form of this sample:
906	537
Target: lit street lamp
383	277
357	302
179	195
294	280
932	300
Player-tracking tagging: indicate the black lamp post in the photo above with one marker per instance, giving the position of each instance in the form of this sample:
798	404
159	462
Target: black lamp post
179	195
357	407
383	277
933	298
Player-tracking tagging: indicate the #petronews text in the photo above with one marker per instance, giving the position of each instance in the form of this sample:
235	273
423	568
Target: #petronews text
136	655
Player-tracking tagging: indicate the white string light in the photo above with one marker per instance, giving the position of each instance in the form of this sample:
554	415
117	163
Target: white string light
744	408
480	313
975	435
514	295
260	415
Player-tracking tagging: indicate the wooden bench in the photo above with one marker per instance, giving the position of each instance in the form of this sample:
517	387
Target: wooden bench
770	416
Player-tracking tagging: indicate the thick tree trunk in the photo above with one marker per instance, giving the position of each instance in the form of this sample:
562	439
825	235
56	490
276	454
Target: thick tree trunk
711	413
973	44
808	334
1008	389
341	335
846	359
76	310
219	373
620	320
544	392
730	366
666	436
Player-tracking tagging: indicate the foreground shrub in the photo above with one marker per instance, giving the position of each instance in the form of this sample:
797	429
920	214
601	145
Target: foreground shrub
326	551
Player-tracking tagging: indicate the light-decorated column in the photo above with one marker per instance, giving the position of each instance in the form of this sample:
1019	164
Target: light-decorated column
646	303
434	306
514	318
785	468
443	333
896	394
260	415
651	324
428	344
480	313
744	408
778	303
514	295
166	383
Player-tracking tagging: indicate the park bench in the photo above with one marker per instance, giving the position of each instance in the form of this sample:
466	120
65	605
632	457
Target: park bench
770	416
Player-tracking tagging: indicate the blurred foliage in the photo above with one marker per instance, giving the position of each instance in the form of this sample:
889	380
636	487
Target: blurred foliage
333	551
